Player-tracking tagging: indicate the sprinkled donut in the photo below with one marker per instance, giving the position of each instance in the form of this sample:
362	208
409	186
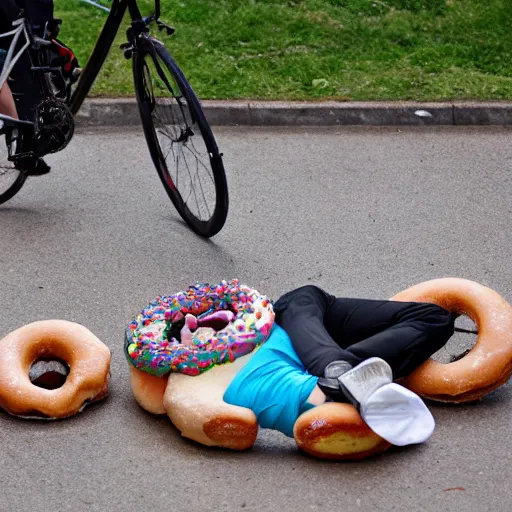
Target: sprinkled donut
180	332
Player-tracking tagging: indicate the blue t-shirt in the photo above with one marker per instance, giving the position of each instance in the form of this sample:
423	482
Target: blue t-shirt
274	384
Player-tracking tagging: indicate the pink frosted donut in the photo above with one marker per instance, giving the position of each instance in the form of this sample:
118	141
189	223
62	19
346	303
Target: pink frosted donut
244	316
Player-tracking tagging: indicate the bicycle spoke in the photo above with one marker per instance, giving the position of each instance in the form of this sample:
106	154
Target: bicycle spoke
208	171
194	177
169	150
175	181
188	162
192	181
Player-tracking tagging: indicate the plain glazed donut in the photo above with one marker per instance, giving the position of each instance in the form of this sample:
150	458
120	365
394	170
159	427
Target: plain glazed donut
196	407
87	357
336	431
489	363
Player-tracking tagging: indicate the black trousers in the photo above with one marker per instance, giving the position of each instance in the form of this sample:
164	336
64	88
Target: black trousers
37	11
25	89
324	329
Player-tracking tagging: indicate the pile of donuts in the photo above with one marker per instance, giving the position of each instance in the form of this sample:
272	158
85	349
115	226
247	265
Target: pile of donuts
183	350
196	407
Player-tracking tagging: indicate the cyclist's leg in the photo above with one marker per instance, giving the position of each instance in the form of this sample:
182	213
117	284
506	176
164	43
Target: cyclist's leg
7	105
404	334
26	99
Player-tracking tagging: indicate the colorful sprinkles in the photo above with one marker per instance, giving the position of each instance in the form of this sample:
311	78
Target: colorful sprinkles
149	350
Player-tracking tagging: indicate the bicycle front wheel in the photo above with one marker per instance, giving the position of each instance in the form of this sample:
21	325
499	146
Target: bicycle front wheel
181	143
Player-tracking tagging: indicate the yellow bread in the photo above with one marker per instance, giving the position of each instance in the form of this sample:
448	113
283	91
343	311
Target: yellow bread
337	431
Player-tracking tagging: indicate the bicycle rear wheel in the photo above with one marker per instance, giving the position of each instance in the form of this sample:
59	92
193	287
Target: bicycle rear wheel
181	143
11	179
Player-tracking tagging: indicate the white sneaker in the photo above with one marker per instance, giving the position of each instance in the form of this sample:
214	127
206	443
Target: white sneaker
367	377
398	415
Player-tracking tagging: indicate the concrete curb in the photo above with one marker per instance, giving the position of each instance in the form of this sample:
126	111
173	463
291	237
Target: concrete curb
123	112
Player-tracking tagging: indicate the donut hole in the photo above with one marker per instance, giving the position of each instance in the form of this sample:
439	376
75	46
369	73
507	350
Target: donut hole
207	320
460	343
48	373
216	324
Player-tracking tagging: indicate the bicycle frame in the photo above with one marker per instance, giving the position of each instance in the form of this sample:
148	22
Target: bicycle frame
11	58
100	50
103	45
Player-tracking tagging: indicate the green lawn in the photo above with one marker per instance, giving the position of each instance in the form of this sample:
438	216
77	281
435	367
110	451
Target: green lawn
320	49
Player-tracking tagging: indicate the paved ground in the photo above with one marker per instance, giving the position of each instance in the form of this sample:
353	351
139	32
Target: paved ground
362	212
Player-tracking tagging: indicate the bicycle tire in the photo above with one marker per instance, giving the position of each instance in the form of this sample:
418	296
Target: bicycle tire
146	100
14	188
16	185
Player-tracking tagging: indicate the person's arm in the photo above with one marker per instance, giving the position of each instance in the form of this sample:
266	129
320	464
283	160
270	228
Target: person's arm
301	314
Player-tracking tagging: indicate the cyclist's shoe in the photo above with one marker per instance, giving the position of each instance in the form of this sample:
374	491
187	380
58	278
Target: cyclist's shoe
329	383
365	379
343	383
40	168
33	167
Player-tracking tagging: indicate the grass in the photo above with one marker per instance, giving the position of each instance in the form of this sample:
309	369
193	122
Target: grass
321	49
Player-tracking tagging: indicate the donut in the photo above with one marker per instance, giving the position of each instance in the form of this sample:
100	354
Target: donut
148	390
196	407
336	431
87	358
488	364
150	347
153	353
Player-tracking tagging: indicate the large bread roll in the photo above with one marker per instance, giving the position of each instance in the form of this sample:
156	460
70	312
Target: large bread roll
196	407
337	431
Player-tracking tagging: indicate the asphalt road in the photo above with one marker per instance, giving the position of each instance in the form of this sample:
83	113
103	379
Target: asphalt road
360	212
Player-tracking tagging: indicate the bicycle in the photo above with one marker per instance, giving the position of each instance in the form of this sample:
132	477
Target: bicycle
177	133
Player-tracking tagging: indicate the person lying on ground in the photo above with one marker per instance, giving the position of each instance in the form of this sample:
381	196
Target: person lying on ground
341	349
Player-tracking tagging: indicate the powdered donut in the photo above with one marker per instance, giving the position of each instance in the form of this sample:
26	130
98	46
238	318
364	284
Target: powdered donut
150	347
87	357
336	431
489	363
